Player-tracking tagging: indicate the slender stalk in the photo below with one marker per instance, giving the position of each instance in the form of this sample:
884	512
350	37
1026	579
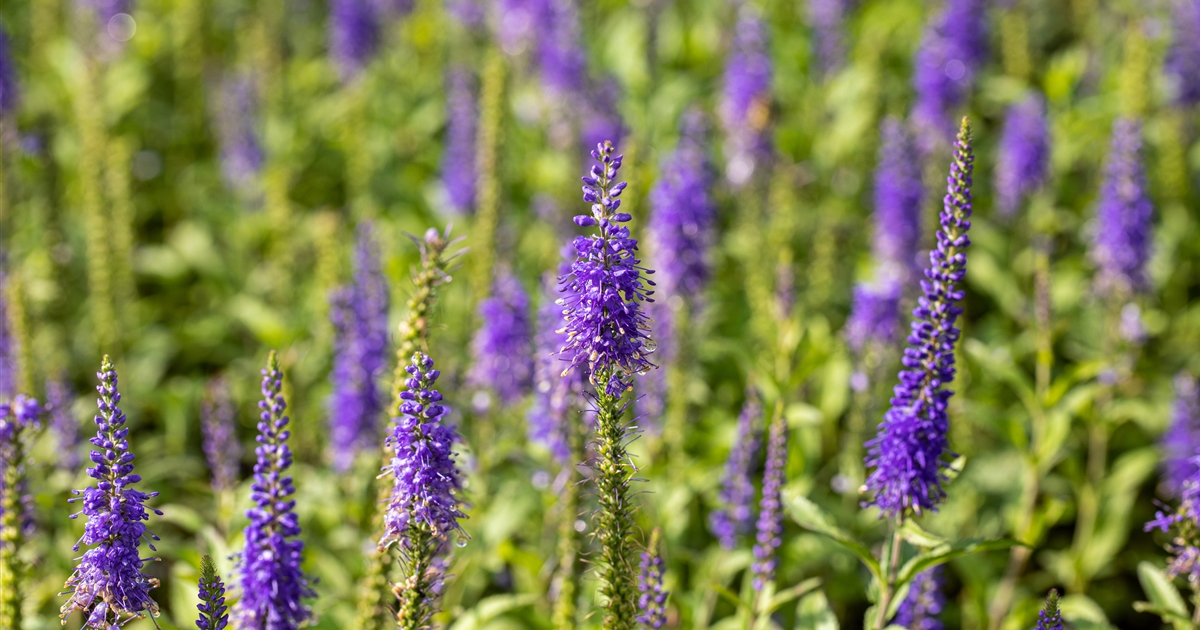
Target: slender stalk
93	141
615	518
885	599
10	534
569	543
421	580
491	107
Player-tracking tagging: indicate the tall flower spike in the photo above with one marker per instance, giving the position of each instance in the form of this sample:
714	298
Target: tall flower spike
458	160
555	396
827	21
607	332
746	99
213	612
898	204
108	585
1183	59
360	313
652	600
353	35
272	583
59	401
769	535
219	430
500	351
1181	441
952	49
874	315
561	60
9	96
18	418
9	350
925	601
242	156
1024	154
1121	242
736	516
1049	617
907	454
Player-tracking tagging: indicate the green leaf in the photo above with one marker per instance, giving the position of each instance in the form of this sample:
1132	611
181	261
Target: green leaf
1163	595
1179	621
490	608
810	516
918	537
1083	613
813	613
733	598
782	597
947	552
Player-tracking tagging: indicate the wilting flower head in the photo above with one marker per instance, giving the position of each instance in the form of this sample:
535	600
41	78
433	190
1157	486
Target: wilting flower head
501	346
1121	241
272	583
1183	59
769	529
827	21
425	475
1024	154
108	585
907	454
213	612
736	516
652	595
458	160
360	320
242	156
219	430
952	49
353	35
1181	441
555	396
746	98
561	60
59	400
1049	617
607	332
8	76
874	315
898	198
925	601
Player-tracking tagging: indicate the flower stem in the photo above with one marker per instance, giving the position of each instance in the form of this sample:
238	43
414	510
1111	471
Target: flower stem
569	543
615	518
885	600
420	580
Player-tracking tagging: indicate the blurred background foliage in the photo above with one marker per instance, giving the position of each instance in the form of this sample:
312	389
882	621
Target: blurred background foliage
113	176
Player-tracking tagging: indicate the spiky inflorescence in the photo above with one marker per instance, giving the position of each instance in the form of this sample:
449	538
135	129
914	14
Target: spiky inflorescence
458	159
1121	241
9	350
827	22
652	598
952	49
746	99
562	61
219	429
59	401
360	320
353	35
108	585
1181	441
242	156
18	418
9	96
500	350
874	315
271	581
1049	617
907	454
1183	59
898	197
769	529
555	396
607	331
213	612
736	516
925	601
1024	154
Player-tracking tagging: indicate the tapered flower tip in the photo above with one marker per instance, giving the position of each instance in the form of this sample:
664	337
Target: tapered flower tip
1050	617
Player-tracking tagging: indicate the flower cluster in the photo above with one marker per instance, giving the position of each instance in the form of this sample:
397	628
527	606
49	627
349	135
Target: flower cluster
59	401
458	160
736	516
1183	59
769	534
1121	242
952	49
213	612
108	585
561	59
607	331
353	35
219	430
1024	154
9	96
271	580
17	418
874	315
555	396
652	597
827	19
1181	441
684	212
907	454
242	156
500	350
925	600
745	106
360	318
1049	617
8	343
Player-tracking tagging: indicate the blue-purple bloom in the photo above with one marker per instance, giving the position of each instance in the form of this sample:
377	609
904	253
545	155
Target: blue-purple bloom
1183	59
827	22
500	350
769	528
518	22
9	348
1049	617
561	60
652	595
9	94
353	35
458	160
59	400
681	224
925	601
736	516
242	155
1024	154
213	611
219	431
555	396
607	331
425	475
1181	441
108	585
1121	241
746	99
907	454
18	416
874	315
271	580
952	49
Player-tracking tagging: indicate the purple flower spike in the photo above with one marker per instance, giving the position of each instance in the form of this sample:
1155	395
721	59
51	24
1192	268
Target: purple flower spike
213	612
684	212
874	315
898	200
925	601
607	331
9	350
501	346
561	60
1024	154
652	595
458	160
1181	441
360	320
9	96
108	585
555	397
59	401
769	535
907	454
736	516
272	583
425	474
242	155
1183	59
219	429
952	49
746	99
827	21
518	22
18	417
353	35
1049	617
1121	243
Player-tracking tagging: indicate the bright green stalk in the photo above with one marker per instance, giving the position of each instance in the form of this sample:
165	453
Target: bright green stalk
120	157
18	321
1014	47
491	132
96	221
418	589
12	569
614	521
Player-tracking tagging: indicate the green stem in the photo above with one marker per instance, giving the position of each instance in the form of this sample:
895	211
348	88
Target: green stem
615	518
491	107
10	535
419	588
889	588
569	544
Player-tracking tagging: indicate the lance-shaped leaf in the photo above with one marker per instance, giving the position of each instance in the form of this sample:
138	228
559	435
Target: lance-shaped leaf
1165	600
948	551
810	516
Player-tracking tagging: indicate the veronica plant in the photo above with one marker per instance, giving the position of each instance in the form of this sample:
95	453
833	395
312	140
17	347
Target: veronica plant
736	515
9	94
59	402
214	614
608	337
652	601
1024	154
952	49
1183	59
218	428
746	99
458	160
502	365
18	421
